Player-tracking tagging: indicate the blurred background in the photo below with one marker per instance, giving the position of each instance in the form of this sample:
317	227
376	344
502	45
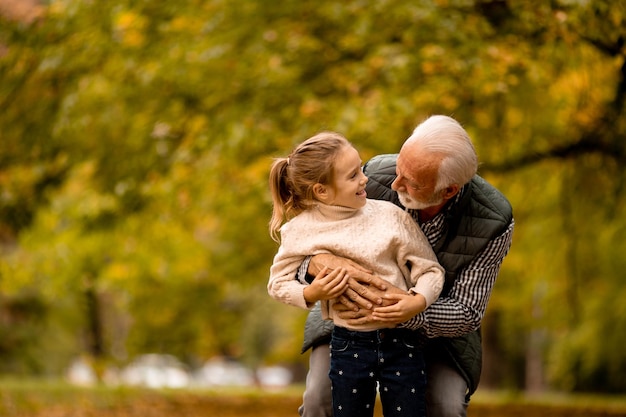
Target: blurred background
135	143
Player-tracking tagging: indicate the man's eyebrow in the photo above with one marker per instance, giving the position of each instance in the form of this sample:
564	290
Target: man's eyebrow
411	180
402	174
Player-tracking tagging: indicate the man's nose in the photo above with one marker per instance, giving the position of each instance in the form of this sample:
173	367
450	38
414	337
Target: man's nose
396	184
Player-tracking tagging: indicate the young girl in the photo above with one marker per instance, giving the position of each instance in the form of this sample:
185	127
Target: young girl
319	191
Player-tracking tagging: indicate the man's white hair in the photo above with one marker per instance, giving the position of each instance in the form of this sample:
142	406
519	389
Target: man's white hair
445	136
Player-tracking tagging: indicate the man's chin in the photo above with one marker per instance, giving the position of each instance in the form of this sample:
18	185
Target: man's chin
412	204
409	203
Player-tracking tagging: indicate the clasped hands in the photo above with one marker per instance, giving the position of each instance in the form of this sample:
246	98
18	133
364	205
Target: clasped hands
363	297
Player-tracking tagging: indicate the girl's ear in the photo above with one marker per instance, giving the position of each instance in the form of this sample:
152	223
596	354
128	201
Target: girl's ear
320	192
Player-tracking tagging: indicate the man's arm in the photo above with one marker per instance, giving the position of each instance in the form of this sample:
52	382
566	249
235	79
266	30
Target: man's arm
456	314
462	310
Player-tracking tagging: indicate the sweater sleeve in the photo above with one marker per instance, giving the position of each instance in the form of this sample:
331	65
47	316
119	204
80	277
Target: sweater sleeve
283	285
426	275
296	246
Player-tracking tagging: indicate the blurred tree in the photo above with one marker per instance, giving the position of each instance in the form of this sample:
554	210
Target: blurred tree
137	136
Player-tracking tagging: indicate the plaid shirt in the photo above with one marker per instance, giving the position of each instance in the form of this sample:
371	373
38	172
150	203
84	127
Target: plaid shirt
462	310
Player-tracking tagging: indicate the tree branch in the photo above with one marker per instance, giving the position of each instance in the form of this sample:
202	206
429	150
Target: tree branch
587	145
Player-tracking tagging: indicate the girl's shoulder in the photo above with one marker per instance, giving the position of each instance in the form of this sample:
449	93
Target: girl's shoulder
383	209
301	220
384	206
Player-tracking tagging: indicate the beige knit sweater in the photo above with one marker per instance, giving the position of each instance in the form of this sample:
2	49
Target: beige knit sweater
380	236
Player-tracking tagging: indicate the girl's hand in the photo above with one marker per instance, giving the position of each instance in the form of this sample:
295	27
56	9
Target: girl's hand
327	285
405	306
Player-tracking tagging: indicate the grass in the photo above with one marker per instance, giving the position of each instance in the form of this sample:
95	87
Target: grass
551	398
21	397
50	398
550	404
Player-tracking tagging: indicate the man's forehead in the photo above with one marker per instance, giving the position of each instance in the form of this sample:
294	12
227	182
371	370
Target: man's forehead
403	167
414	164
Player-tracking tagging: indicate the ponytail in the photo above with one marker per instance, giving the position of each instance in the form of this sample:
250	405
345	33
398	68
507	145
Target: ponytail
282	196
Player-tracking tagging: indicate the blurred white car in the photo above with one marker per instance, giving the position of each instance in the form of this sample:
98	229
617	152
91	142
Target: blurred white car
80	372
224	372
274	376
156	371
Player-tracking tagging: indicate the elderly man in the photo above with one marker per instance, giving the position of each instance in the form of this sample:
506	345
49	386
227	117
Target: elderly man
469	224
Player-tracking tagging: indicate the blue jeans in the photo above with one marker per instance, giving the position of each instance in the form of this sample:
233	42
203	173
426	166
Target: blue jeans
391	358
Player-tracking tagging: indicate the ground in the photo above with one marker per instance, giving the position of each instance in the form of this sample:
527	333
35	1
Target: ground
159	404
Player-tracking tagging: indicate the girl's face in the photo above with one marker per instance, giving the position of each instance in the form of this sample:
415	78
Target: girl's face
348	188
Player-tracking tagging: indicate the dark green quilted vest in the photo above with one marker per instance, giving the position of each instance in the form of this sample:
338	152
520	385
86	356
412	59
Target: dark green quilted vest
482	214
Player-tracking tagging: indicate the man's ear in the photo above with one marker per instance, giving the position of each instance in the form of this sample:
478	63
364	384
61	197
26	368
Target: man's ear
450	191
320	192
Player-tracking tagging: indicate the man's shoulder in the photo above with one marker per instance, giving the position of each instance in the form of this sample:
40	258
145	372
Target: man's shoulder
381	173
488	198
384	164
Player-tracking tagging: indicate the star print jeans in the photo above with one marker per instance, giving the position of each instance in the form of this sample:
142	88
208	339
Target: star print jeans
390	359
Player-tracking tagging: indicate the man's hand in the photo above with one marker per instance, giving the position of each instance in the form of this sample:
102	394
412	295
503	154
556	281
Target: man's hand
397	308
353	316
362	283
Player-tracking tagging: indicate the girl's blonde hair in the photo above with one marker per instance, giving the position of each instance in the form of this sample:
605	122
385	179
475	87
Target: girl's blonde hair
292	178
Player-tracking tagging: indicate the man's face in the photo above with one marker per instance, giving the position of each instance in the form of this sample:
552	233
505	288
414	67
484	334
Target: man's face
417	178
